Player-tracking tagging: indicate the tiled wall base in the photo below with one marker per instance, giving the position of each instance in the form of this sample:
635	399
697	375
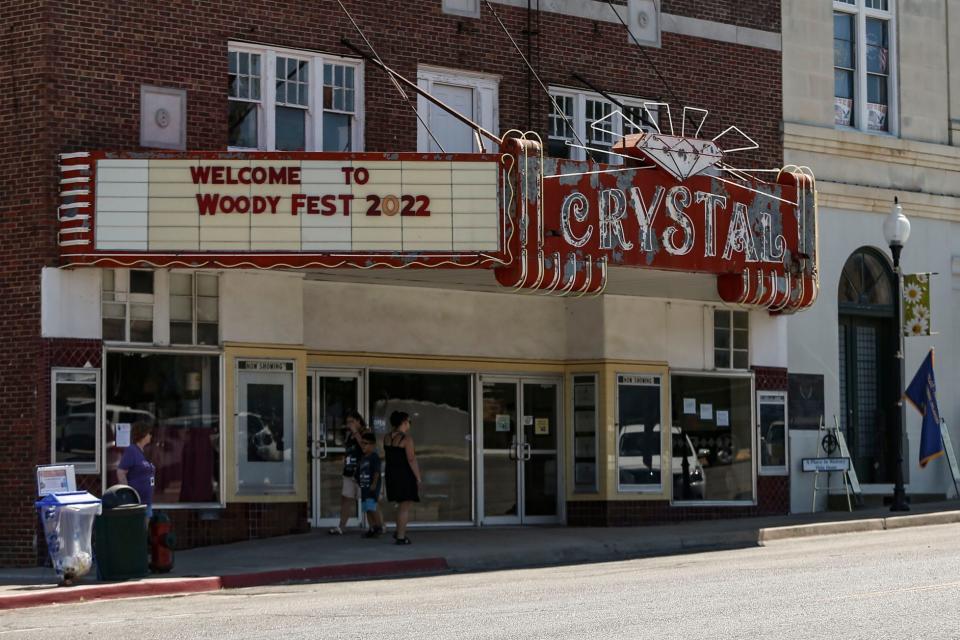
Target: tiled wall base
237	522
773	499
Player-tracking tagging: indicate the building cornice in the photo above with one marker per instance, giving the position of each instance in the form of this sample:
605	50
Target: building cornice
863	146
835	195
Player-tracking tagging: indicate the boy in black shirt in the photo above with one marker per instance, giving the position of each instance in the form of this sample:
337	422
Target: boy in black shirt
368	477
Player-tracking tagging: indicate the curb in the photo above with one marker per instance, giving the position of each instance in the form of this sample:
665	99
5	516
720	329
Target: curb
178	586
857	526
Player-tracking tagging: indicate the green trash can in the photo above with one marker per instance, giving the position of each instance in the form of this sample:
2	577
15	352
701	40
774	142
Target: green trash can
120	542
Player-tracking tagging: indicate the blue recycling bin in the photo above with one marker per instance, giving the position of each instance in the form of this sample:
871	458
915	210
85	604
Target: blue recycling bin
67	520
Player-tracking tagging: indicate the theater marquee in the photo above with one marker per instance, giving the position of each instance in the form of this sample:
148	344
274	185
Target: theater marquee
322	210
542	224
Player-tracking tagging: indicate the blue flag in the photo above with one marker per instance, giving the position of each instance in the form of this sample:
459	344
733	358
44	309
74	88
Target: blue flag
922	394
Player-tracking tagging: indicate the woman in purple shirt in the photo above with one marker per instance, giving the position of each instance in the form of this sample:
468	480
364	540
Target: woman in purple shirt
134	468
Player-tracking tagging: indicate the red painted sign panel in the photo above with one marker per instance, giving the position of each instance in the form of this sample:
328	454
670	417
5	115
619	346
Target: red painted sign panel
573	221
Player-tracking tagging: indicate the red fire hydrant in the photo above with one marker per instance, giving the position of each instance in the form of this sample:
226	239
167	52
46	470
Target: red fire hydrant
161	544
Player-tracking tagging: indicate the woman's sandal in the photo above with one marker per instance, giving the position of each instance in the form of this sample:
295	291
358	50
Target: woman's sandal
403	540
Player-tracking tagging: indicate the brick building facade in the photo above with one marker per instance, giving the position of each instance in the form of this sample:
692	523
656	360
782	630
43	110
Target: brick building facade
70	81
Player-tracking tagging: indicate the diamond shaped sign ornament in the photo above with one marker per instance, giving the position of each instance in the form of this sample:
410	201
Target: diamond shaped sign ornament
680	157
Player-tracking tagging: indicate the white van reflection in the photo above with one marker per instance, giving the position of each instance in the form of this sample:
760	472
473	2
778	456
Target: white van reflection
442	434
639	450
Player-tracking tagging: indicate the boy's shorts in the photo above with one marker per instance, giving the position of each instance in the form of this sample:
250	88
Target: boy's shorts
369	505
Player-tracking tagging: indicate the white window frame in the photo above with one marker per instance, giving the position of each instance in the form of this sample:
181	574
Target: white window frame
266	120
486	101
861	12
730	350
580	99
86	468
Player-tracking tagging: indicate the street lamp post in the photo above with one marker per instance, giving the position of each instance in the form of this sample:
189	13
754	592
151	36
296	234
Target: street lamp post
896	231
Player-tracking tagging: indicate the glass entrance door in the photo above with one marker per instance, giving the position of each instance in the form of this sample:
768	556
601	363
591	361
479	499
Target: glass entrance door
330	395
519	443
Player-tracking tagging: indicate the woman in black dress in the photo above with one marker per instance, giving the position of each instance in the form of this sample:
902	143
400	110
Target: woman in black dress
402	474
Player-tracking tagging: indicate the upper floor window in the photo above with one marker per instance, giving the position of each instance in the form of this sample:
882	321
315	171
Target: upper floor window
127	305
731	339
160	307
593	119
194	308
862	64
473	95
284	100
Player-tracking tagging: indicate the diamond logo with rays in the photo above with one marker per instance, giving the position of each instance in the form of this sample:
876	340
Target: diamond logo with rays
682	156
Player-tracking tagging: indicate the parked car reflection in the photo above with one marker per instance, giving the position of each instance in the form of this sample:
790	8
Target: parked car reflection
639	464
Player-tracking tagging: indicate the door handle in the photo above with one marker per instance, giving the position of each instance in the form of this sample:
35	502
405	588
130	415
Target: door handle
514	451
527	451
323	456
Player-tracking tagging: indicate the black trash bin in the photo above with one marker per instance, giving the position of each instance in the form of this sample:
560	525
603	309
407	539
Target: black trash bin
120	535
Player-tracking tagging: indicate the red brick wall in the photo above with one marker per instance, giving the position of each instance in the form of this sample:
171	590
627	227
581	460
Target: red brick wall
770	378
105	58
754	14
70	77
26	236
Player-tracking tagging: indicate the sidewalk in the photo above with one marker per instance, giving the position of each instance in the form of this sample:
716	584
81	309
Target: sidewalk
317	556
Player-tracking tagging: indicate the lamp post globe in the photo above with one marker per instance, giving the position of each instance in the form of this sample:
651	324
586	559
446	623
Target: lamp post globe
896	231
896	227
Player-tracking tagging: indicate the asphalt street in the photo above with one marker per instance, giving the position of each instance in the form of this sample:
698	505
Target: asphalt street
889	584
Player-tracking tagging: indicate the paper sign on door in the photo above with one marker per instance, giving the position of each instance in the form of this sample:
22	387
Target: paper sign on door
123	434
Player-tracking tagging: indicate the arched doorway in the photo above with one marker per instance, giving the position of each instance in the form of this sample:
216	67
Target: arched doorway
868	339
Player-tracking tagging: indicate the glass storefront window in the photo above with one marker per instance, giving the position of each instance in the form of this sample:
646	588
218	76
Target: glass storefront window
439	408
712	437
638	432
179	394
75	402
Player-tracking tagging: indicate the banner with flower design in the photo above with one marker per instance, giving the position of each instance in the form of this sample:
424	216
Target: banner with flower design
916	304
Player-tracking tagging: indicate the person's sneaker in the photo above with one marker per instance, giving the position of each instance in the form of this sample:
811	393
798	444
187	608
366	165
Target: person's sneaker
335	531
403	540
373	532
